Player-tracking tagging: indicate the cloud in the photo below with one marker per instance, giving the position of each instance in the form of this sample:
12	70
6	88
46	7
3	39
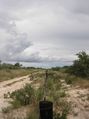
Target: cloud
43	30
15	42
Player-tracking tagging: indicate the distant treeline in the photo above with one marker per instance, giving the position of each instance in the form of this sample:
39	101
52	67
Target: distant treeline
60	68
14	66
10	66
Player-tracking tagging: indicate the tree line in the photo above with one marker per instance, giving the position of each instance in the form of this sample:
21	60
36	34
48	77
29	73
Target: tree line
10	66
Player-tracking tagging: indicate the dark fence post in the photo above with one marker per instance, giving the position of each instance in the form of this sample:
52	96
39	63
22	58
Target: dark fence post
46	110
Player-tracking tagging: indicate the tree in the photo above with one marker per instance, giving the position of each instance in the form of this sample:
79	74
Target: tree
80	66
18	65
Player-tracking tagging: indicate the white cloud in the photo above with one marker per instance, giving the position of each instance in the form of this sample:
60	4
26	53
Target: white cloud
43	30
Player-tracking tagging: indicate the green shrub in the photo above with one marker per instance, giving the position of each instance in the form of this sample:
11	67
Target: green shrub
23	96
80	66
16	104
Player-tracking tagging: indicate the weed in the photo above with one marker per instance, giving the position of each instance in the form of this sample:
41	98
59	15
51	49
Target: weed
39	94
6	110
23	96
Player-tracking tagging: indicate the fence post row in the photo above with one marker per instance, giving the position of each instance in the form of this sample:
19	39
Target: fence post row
46	107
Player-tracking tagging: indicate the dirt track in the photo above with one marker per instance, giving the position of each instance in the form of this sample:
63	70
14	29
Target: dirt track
10	86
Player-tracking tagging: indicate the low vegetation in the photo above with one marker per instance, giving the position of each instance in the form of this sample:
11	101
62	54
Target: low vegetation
9	71
28	95
23	96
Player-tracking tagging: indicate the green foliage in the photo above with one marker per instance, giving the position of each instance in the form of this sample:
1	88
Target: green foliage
10	66
39	93
6	66
80	66
56	68
23	96
16	104
17	65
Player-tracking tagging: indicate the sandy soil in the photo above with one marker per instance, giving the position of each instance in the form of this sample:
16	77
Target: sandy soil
10	86
79	99
80	103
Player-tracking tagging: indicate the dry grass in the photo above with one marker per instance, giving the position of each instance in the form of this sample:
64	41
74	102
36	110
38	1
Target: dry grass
7	74
77	81
82	83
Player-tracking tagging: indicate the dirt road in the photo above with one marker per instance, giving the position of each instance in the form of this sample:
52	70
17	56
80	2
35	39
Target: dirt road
10	86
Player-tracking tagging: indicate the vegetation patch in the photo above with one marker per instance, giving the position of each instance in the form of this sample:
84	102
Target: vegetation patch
23	96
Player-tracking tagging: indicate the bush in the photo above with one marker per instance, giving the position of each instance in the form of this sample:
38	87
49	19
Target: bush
80	66
16	104
23	96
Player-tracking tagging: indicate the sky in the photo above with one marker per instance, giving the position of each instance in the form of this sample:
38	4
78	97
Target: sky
43	30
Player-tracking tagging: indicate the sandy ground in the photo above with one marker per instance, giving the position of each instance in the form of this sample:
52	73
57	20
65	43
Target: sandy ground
10	86
80	104
79	99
